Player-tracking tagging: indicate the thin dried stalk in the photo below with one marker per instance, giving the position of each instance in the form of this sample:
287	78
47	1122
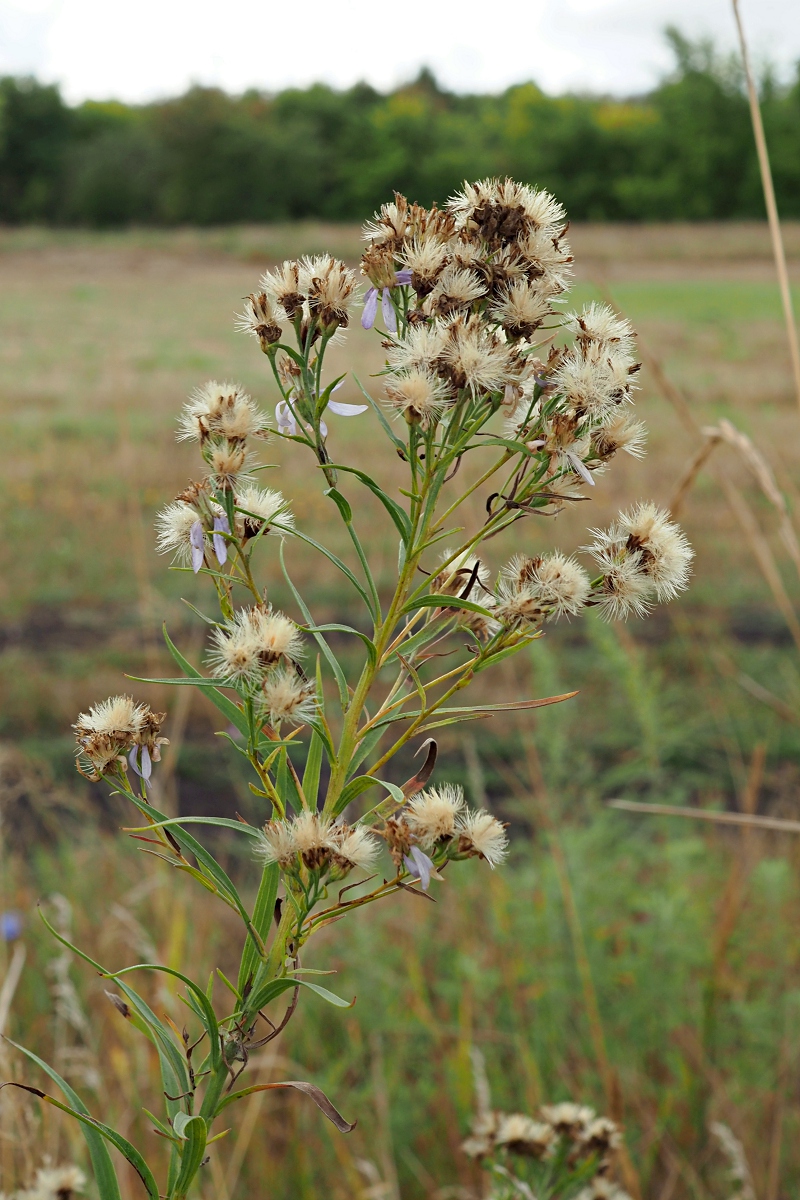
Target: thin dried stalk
708	814
772	208
762	471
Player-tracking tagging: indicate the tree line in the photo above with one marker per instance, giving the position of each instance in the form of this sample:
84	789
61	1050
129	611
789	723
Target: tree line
682	152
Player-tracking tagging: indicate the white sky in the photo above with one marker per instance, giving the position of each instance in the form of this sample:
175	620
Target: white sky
142	49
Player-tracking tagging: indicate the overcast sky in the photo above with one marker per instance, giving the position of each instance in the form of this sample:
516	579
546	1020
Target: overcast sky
142	49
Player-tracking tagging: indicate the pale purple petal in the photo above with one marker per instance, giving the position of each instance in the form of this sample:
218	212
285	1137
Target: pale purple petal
370	308
147	766
578	465
389	318
323	428
346	410
285	418
197	542
420	866
220	547
403	276
132	760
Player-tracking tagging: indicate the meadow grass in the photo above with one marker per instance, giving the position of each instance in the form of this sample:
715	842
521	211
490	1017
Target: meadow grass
689	933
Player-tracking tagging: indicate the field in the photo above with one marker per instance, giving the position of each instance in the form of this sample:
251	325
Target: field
645	965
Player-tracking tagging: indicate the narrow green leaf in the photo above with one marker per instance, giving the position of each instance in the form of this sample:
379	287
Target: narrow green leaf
262	920
390	433
116	1139
433	601
361	784
194	1131
103	1167
320	640
335	628
208	1014
395	510
228	709
341	503
337	562
312	770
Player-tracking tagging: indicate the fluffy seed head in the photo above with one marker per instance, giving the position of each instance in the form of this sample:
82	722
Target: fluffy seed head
262	506
522	1135
227	461
665	553
455	289
558	583
599	323
111	728
282	286
331	288
425	259
117	716
625	588
520	309
474	358
501	211
277	843
419	395
222	409
420	349
261	318
173	527
235	653
288	697
312	834
353	846
431	815
482	836
619	433
466	576
568	1118
56	1183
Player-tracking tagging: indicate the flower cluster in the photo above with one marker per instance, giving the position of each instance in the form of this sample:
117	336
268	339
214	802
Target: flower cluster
567	1138
197	526
330	848
313	294
113	729
436	827
259	648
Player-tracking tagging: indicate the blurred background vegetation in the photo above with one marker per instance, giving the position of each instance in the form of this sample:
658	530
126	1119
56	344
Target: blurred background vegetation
648	966
683	152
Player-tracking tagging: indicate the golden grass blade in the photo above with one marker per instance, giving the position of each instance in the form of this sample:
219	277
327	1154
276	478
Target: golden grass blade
707	814
772	208
10	983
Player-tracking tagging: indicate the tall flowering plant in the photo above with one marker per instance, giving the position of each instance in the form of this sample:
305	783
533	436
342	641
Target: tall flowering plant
482	363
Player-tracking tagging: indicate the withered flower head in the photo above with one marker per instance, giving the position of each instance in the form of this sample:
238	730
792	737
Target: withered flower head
261	318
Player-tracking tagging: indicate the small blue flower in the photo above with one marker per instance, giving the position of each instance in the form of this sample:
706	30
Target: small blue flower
10	926
220	547
371	303
196	541
419	866
143	766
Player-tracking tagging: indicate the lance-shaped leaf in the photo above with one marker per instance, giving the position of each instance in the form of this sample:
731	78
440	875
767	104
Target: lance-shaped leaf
262	919
361	784
395	511
274	987
193	1133
205	1010
104	1173
116	1139
434	601
309	1089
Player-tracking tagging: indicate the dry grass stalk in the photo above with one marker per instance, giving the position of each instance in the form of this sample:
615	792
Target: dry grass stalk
734	1152
765	478
772	208
778	824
